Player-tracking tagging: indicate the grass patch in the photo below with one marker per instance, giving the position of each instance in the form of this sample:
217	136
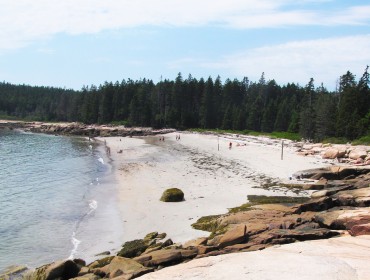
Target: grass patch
278	135
244	207
210	223
335	140
262	199
207	223
286	135
365	140
119	123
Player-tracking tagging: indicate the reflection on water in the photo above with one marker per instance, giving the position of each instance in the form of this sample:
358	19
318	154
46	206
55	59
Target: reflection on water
51	189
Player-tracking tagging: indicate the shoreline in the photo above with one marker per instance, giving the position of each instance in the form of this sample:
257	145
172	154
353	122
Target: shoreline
213	181
213	178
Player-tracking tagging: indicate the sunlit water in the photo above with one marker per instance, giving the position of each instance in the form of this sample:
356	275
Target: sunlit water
57	200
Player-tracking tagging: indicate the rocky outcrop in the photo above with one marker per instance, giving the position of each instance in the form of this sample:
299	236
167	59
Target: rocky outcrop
363	229
14	273
58	270
80	129
133	248
234	236
359	155
122	267
340	205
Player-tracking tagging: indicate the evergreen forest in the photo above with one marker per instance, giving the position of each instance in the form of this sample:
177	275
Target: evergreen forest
264	106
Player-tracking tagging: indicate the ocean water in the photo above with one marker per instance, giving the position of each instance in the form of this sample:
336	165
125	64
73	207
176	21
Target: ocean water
57	199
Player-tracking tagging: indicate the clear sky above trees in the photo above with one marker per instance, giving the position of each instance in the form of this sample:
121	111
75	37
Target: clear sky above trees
72	43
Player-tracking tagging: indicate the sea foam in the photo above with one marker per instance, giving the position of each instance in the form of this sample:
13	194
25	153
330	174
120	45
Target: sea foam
75	243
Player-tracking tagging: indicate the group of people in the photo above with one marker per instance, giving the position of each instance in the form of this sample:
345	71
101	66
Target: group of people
161	138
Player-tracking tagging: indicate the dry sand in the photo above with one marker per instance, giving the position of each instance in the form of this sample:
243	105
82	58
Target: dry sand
213	180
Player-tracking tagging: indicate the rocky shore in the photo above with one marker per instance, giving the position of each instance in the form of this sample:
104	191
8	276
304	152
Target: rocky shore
79	129
338	206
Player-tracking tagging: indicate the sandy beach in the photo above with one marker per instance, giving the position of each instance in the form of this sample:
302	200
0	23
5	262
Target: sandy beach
215	178
212	176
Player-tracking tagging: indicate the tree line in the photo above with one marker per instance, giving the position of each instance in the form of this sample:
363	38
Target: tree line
263	106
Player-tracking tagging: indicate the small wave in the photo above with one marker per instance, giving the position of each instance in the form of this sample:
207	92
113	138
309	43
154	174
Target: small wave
75	243
93	204
101	160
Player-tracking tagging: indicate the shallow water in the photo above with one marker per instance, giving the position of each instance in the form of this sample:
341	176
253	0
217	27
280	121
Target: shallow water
57	199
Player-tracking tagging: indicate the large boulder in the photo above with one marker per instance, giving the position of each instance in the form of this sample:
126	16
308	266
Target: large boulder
161	257
124	268
331	153
357	153
357	230
172	195
316	204
13	273
58	270
195	242
101	262
332	173
234	236
133	248
343	218
304	233
356	198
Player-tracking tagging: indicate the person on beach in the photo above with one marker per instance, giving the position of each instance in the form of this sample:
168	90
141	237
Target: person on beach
230	145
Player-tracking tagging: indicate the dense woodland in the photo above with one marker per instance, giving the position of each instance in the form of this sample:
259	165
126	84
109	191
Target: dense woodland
313	112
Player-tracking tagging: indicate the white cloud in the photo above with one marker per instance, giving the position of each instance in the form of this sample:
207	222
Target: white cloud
324	60
24	21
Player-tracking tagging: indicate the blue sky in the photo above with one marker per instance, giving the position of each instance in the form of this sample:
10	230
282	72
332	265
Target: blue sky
72	43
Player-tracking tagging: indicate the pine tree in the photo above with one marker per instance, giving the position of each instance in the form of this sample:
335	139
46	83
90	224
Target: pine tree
307	114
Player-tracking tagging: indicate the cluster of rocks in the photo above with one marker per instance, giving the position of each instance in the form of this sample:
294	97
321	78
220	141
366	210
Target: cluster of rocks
342	153
340	205
79	129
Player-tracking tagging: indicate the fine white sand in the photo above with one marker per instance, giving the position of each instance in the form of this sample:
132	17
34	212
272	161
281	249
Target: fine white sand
213	178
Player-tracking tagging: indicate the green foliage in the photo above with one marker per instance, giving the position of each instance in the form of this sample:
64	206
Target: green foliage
119	123
335	140
240	107
207	223
365	140
262	199
286	135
